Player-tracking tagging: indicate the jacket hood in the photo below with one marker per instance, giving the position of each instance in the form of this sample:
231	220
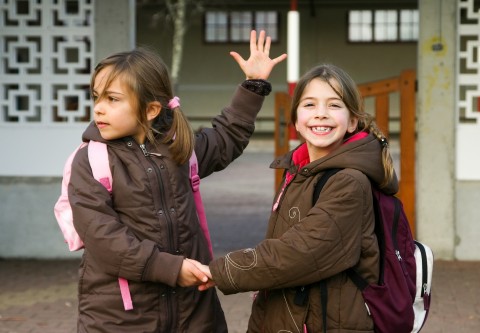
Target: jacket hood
363	154
92	133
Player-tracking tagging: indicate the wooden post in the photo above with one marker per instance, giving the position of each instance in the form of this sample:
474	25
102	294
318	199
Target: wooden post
407	144
282	122
382	111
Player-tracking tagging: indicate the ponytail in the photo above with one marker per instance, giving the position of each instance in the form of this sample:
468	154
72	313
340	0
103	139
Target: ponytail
180	136
387	161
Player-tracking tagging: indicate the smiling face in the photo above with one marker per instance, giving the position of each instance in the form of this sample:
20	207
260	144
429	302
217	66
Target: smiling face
114	111
323	119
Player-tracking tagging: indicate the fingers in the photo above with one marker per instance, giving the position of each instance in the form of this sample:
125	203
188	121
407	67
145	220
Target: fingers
203	268
190	275
259	64
206	286
197	271
261	41
238	58
209	283
280	58
253	41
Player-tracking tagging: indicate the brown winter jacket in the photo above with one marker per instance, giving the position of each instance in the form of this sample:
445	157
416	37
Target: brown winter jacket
306	244
147	226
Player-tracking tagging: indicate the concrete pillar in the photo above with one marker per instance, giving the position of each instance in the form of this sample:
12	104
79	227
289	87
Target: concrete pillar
114	27
436	117
27	224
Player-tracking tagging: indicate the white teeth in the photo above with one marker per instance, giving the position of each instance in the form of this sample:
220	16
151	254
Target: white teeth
321	129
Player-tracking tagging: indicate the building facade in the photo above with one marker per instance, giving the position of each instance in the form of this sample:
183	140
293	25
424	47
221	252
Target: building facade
48	49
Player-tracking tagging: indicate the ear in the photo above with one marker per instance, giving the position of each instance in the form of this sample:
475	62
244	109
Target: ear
353	123
153	110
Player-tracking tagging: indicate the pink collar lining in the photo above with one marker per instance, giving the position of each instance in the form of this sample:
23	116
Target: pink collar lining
301	158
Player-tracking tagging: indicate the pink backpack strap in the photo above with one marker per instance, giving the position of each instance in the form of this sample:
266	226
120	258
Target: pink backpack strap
63	210
100	164
195	182
101	172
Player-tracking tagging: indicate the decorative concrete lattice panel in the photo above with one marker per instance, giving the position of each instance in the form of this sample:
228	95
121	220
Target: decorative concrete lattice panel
468	62
46	57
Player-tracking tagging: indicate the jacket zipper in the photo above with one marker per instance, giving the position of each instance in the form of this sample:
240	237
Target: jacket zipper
171	244
170	240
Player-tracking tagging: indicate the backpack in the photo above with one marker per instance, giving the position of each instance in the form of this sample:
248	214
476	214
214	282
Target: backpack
400	301
98	159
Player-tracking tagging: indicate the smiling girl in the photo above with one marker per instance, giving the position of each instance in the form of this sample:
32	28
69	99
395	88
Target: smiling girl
306	244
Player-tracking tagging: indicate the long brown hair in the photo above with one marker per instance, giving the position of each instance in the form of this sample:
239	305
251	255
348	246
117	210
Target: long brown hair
147	76
346	88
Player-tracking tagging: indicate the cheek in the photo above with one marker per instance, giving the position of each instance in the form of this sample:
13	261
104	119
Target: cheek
300	118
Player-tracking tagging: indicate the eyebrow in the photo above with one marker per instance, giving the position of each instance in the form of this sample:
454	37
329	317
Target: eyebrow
336	97
109	92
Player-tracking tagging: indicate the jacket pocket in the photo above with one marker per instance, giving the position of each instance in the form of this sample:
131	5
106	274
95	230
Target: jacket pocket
276	311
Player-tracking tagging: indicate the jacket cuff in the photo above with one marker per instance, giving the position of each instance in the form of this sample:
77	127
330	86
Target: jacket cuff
248	102
260	87
163	267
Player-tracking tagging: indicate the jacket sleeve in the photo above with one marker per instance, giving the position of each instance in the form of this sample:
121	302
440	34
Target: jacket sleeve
218	146
108	241
322	244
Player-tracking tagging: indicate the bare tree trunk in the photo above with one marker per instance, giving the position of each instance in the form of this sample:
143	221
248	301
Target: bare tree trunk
178	13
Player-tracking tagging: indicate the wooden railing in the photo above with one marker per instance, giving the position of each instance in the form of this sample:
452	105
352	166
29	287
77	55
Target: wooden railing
380	91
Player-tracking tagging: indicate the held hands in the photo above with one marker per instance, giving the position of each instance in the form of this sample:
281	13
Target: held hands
193	273
259	65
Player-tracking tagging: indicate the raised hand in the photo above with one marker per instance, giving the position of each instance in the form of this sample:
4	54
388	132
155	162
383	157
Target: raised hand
259	65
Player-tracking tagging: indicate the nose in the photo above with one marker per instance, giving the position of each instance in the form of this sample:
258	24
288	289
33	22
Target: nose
321	111
98	107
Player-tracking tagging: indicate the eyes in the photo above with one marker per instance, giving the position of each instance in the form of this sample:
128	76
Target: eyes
110	98
331	105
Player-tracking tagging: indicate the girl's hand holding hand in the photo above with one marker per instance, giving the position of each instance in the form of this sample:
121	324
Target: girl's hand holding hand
191	275
259	65
210	283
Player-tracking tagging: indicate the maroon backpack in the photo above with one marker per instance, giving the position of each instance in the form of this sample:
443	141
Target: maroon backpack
400	300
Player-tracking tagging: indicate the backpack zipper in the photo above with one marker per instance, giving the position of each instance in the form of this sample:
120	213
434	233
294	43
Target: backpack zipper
396	216
424	268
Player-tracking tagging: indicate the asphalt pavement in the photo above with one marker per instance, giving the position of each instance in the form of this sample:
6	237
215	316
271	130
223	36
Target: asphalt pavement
39	296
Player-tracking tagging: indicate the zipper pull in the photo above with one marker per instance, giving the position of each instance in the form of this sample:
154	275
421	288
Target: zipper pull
147	153
144	150
399	257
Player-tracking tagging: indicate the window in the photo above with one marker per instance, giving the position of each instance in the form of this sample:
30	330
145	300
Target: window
381	26
235	26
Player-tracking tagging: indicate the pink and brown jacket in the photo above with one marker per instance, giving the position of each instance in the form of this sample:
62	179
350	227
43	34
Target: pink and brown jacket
143	231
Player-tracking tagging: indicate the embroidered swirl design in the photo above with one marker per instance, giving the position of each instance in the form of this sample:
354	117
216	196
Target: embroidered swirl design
230	263
293	212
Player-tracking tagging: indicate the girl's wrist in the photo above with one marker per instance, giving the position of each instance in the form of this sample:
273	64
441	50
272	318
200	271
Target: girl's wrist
258	86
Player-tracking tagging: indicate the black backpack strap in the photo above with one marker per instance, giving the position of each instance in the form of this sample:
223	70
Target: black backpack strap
321	183
324	300
323	284
360	282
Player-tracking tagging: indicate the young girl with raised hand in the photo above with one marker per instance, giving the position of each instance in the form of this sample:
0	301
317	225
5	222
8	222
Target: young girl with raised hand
147	231
306	244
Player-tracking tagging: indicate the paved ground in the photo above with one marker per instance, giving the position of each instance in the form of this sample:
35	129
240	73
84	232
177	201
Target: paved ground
40	296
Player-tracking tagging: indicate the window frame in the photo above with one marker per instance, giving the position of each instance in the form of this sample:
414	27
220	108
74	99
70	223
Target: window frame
373	26
241	25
